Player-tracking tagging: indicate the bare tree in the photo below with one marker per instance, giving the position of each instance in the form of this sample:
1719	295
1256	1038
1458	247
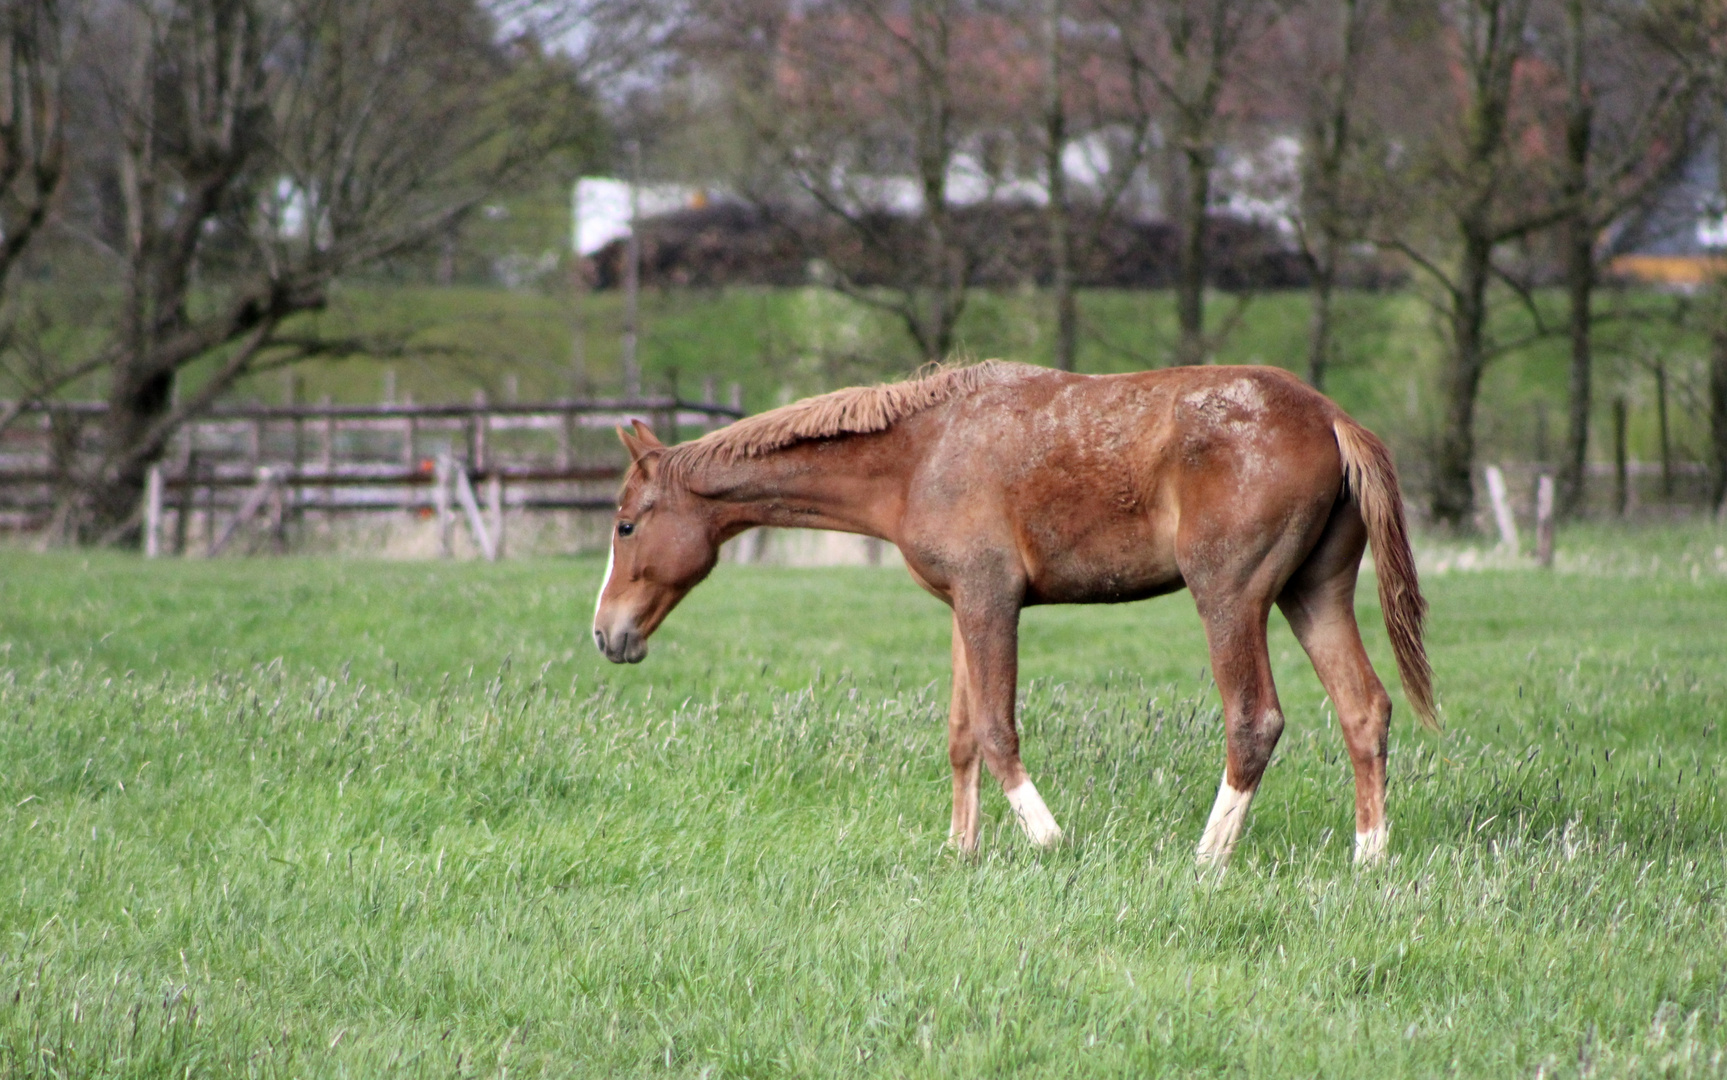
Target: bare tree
1097	89
862	117
1330	61
1059	211
258	149
32	134
1716	121
1190	49
33	44
1628	103
1478	192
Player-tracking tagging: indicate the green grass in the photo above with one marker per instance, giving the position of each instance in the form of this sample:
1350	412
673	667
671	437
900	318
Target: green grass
315	818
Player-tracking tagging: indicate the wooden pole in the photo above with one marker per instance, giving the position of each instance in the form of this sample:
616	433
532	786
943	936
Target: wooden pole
1502	515
153	512
477	425
1544	521
410	453
249	508
327	458
1666	438
1621	473
183	505
278	519
292	391
495	511
476	522
441	500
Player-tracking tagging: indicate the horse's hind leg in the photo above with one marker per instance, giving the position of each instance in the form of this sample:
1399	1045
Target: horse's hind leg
1319	602
1235	630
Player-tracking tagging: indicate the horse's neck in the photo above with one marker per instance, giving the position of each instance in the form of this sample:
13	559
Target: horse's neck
853	484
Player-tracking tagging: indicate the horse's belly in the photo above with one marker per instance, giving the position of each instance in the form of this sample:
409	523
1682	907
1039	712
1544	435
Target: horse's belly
1102	568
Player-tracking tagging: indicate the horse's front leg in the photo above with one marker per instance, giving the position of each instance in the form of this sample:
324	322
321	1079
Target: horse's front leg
962	751
986	648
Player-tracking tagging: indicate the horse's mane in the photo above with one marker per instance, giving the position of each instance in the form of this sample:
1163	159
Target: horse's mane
860	410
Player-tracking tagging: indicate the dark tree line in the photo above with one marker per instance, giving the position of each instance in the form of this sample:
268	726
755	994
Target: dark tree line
1490	144
198	174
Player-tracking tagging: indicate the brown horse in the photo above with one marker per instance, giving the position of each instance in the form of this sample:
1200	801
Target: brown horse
1006	485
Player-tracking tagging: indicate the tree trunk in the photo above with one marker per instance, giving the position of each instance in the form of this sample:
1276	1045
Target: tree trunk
1324	271
1662	429
1453	468
1059	213
1579	239
135	404
945	282
1331	136
1190	279
1579	292
1718	406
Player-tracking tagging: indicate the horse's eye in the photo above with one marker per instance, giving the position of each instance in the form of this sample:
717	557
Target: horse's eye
625	528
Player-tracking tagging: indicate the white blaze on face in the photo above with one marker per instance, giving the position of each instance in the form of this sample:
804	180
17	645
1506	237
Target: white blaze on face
1227	815
1034	817
611	560
1370	845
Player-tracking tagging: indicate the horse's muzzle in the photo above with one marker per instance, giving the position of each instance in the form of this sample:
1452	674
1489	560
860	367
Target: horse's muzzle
622	646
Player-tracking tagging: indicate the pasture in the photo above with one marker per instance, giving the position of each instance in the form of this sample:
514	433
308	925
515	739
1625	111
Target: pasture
300	818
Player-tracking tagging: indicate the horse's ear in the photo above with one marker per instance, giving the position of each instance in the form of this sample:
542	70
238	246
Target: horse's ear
646	434
641	444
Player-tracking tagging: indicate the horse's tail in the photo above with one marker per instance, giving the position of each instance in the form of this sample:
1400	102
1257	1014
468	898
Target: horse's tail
1371	478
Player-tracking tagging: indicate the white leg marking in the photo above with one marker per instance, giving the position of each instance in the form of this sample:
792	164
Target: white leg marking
1034	817
1370	845
611	557
1227	815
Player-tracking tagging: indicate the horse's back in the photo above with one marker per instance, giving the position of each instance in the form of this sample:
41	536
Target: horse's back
1117	487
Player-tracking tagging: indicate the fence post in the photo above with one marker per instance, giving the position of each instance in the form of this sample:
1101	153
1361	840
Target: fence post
1502	509
327	459
441	499
409	453
183	506
477	434
153	512
471	508
278	518
495	511
1544	521
1621	477
249	508
292	390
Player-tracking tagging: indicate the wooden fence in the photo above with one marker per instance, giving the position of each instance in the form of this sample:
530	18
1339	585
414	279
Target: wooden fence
263	467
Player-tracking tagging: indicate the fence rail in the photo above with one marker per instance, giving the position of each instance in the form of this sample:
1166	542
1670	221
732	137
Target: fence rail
242	465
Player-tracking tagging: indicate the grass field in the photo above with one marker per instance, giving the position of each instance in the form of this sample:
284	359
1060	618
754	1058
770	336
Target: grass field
306	818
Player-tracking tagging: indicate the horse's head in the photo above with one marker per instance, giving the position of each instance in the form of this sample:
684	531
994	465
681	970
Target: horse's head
663	545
